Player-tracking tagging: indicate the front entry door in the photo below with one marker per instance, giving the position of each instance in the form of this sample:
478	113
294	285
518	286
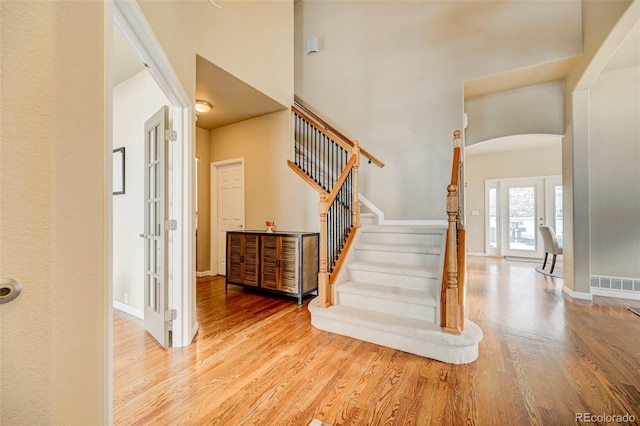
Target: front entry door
156	225
515	208
524	208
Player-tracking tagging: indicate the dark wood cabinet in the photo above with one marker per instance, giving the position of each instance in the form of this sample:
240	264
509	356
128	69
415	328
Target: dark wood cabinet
279	262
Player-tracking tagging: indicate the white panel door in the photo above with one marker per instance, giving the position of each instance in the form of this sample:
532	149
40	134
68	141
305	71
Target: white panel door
230	208
156	287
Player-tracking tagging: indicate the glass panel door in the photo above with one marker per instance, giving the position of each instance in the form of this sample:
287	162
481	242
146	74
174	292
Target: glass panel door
524	210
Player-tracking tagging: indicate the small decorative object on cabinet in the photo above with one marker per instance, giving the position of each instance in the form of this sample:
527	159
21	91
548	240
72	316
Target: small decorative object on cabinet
278	262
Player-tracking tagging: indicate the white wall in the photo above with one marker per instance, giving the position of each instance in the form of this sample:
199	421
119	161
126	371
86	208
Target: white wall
134	102
534	162
614	164
53	217
391	74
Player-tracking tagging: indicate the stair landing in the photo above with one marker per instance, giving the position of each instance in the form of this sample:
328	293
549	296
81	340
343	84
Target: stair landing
390	295
409	335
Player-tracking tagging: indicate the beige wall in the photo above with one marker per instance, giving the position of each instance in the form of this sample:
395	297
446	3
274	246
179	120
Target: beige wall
534	162
272	190
390	74
614	163
53	223
534	109
204	218
241	38
598	19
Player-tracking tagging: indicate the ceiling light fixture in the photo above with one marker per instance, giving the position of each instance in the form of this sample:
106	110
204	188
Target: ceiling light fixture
203	106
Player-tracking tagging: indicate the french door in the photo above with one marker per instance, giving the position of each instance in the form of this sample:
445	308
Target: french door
515	208
156	224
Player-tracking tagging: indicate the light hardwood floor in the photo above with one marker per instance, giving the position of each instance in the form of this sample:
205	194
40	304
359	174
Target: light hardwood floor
257	360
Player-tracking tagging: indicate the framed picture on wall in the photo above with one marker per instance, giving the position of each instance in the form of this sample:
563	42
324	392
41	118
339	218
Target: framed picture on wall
118	171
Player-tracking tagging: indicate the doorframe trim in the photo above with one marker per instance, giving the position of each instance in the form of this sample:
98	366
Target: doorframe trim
130	19
213	208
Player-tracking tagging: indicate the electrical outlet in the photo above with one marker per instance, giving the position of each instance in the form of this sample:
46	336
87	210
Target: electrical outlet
126	298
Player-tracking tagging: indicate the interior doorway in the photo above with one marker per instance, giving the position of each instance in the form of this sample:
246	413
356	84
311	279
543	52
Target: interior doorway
129	20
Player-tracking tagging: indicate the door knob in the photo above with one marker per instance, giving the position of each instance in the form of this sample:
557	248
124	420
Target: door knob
9	289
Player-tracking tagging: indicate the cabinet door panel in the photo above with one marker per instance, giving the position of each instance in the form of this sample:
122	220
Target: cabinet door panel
270	262
251	259
234	256
289	265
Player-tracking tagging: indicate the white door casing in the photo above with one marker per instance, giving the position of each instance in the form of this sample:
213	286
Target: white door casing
156	227
227	207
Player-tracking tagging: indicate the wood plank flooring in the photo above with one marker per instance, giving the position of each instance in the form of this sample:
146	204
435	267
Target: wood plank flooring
257	360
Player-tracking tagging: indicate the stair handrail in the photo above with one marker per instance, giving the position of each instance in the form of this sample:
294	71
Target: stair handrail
303	108
454	276
331	166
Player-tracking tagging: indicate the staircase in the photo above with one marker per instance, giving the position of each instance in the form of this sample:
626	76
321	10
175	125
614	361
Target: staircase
397	286
389	294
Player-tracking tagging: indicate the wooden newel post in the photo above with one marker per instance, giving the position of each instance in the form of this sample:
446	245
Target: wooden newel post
452	315
356	202
323	275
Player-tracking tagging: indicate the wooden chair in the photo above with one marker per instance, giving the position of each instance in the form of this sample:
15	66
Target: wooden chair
550	246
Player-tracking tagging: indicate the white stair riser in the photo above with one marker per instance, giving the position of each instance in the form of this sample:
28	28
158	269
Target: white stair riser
401	238
393	307
367	219
403	258
402	281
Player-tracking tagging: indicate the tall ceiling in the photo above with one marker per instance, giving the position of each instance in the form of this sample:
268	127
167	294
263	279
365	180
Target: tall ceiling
232	99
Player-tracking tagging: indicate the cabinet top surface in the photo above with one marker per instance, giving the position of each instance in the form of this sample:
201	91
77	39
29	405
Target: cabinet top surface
273	233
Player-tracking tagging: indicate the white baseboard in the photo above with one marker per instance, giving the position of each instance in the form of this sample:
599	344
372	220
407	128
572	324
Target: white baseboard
577	294
476	254
619	294
201	274
128	309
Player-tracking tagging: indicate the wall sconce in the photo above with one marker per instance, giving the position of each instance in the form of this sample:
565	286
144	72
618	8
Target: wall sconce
312	45
203	106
